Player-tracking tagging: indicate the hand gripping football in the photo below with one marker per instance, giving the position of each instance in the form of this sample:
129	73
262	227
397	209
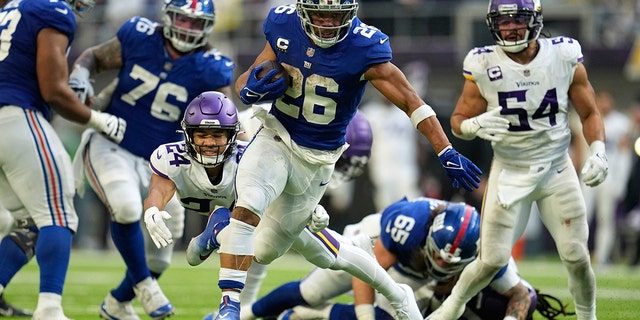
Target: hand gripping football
269	65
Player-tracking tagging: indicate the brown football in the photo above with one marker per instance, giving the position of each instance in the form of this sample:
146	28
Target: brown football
269	65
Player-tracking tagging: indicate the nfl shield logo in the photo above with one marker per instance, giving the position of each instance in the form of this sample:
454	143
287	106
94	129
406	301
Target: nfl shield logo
527	73
311	52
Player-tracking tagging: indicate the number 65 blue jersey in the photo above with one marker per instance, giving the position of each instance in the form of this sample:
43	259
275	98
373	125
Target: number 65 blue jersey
327	83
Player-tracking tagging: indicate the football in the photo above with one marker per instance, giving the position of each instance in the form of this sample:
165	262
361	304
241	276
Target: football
269	65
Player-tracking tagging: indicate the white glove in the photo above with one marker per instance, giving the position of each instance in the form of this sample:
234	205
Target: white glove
160	234
596	168
80	83
319	219
112	126
489	126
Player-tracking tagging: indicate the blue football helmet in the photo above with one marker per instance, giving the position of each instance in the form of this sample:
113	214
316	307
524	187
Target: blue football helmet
201	15
453	237
81	6
353	161
502	12
210	110
342	11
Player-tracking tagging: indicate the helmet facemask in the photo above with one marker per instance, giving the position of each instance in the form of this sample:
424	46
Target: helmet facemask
527	14
188	26
348	168
340	12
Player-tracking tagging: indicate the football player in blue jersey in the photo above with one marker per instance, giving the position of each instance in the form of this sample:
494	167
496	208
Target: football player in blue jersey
162	67
329	55
516	94
423	242
36	180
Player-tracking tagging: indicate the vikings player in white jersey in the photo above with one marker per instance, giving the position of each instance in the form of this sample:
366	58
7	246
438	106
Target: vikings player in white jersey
516	95
36	181
161	68
423	242
329	55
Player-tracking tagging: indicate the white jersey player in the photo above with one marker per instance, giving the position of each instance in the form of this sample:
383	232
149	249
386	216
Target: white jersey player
516	95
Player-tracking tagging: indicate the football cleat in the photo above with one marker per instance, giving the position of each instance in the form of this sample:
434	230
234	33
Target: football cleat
201	246
7	310
112	309
210	316
153	300
407	309
50	313
229	309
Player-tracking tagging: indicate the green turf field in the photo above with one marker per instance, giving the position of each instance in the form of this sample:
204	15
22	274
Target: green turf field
194	292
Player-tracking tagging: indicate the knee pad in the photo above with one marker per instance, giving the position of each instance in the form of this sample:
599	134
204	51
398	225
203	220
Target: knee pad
26	240
573	251
126	214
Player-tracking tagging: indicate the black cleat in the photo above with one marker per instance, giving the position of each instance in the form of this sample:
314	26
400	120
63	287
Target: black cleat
7	310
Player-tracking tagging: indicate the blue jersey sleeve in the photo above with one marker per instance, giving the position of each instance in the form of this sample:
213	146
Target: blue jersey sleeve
20	25
48	14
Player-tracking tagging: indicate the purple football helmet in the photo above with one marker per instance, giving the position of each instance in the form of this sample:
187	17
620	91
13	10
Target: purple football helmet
353	161
503	12
342	10
202	16
454	237
210	110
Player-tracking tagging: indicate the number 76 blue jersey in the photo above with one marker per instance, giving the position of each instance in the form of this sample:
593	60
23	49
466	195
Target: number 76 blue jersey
154	90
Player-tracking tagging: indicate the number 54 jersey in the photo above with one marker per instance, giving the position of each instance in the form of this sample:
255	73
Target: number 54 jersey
533	97
154	90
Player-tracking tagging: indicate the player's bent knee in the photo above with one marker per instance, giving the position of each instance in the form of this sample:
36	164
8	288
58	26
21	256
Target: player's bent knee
126	213
265	253
573	252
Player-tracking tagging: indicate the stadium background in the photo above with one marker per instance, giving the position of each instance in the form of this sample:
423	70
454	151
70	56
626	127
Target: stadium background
435	33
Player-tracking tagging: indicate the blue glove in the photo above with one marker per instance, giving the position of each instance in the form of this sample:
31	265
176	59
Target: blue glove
460	170
262	90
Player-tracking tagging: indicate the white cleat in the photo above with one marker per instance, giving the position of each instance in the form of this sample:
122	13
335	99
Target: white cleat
112	309
407	308
153	301
51	313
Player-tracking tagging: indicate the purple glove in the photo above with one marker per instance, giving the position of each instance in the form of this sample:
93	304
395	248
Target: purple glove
460	170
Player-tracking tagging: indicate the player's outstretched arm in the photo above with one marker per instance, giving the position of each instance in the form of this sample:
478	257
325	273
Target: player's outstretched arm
392	83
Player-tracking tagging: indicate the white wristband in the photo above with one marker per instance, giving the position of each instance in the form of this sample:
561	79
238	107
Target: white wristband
423	112
365	312
597	147
510	318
